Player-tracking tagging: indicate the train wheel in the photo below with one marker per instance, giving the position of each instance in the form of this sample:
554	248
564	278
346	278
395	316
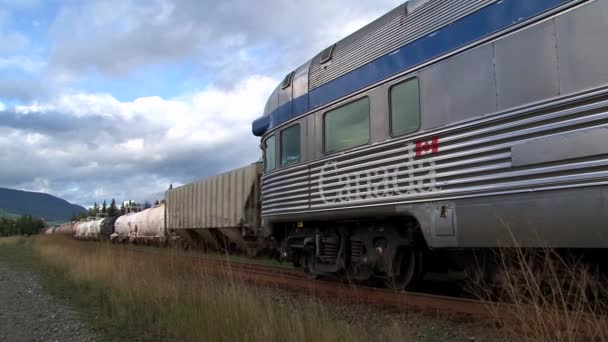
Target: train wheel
409	263
307	264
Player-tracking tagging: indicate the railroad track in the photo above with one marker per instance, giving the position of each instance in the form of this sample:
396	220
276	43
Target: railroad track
295	280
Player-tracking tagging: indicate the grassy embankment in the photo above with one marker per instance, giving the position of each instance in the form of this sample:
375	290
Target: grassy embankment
165	296
551	297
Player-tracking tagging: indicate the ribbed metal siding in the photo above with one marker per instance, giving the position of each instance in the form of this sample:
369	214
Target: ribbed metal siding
389	33
228	200
474	160
286	190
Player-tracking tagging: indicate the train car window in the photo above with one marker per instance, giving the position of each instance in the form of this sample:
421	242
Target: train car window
287	80
327	54
405	107
346	126
290	145
269	154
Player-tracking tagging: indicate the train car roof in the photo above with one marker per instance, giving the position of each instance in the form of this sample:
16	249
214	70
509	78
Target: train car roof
409	35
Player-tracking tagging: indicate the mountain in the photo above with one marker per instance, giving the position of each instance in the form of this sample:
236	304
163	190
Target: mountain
37	204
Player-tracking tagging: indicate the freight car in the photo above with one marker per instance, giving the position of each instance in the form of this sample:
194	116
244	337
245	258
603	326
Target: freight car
441	127
94	228
144	227
221	212
64	229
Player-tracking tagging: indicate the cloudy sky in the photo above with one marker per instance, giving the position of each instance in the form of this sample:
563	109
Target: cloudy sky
104	99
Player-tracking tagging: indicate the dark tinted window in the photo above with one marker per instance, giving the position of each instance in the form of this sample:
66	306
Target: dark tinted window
269	154
347	126
405	107
290	145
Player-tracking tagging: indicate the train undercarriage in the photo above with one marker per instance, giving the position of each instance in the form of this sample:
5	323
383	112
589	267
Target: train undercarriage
392	251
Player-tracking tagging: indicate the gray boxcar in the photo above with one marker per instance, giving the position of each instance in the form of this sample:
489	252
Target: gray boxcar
221	211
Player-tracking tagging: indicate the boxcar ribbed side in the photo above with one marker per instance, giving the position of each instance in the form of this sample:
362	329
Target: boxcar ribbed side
224	206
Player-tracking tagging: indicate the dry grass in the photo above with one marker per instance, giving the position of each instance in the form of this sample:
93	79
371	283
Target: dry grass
551	298
166	295
163	294
11	240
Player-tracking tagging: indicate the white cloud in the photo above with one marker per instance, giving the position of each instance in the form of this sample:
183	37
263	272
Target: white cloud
131	35
95	141
87	146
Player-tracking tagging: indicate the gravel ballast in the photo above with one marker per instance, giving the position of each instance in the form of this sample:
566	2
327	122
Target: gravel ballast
27	313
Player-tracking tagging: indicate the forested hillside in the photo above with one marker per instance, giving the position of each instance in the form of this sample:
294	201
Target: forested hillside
39	205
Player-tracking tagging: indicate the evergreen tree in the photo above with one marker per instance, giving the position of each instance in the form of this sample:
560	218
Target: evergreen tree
147	205
122	209
112	210
24	225
95	209
104	208
156	203
80	216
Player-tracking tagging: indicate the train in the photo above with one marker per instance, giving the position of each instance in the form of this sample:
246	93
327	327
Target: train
442	128
221	212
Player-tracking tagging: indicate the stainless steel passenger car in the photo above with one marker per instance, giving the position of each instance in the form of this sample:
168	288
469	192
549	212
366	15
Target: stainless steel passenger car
442	125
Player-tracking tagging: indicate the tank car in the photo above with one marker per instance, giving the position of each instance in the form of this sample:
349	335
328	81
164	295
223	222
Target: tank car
440	127
91	229
64	229
144	227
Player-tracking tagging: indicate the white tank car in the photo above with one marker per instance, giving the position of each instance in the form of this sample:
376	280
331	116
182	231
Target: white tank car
152	222
95	228
65	229
122	227
146	226
89	230
79	229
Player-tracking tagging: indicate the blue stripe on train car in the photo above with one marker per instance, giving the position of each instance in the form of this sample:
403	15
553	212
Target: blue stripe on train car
475	26
285	112
300	105
260	125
